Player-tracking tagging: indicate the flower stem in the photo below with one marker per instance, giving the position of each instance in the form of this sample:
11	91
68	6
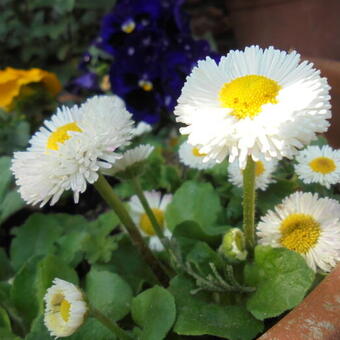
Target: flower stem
249	204
105	190
111	325
140	194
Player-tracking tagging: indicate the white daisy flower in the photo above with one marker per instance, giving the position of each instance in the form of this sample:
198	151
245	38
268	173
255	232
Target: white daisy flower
70	149
141	129
191	157
130	161
263	173
158	205
65	308
319	165
305	224
253	102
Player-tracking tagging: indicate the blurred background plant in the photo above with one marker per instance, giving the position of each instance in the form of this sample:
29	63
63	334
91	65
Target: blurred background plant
143	52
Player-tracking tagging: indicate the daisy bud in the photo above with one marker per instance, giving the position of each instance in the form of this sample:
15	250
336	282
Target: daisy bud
233	245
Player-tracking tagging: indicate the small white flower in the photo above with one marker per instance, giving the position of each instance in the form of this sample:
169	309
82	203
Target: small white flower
70	149
253	102
319	165
191	157
130	158
65	308
263	172
305	224
141	129
158	205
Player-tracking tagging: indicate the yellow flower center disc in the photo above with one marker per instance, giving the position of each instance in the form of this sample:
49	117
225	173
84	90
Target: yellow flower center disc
323	165
299	232
65	307
146	224
60	135
128	27
145	85
246	95
196	152
259	168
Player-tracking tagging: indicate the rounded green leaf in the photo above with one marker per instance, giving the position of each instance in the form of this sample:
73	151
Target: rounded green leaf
36	237
197	315
154	310
194	201
22	292
282	279
109	293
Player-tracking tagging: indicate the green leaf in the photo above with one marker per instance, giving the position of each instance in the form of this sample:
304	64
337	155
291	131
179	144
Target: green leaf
282	279
6	334
22	293
154	310
188	233
202	255
6	270
109	293
127	262
72	247
4	319
5	178
90	4
234	206
12	203
64	5
36	237
194	201
100	245
275	193
197	315
90	330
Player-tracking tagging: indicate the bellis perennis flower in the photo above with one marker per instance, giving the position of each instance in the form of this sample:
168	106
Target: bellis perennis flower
191	157
65	309
263	173
319	165
307	224
253	102
158	205
70	149
132	162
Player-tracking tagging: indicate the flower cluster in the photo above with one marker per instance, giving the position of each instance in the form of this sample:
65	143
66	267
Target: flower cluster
254	108
152	50
13	80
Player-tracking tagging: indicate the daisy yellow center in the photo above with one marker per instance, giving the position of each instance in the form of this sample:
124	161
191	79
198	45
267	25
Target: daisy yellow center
146	224
61	135
299	232
65	307
259	168
197	153
323	165
246	95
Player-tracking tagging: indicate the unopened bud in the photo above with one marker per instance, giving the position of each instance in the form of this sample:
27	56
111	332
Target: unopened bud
233	245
